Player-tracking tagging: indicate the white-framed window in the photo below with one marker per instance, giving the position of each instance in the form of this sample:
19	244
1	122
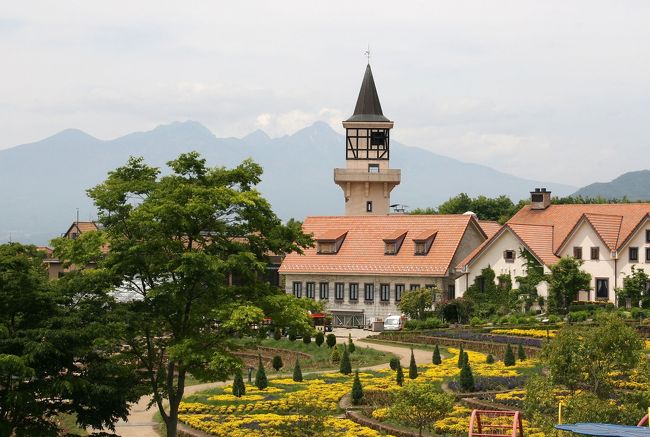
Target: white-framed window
384	292
399	289
339	290
310	291
369	292
354	291
324	289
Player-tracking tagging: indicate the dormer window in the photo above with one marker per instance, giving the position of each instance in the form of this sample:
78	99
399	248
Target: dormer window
423	242
393	242
330	242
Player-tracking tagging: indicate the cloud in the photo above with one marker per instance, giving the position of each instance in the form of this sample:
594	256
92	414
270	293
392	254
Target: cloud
289	122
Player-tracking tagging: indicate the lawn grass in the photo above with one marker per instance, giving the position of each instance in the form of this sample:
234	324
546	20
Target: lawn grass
68	423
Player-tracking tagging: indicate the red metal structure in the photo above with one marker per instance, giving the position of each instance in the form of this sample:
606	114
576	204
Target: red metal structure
485	423
644	421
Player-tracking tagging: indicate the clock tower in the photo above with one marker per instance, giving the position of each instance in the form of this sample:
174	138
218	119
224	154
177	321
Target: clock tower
367	180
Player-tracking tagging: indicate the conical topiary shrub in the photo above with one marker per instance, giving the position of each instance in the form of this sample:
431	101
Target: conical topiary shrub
357	390
489	359
413	368
335	356
261	381
465	358
521	353
330	340
509	358
435	359
393	363
466	378
238	386
351	346
345	367
319	339
306	338
399	378
297	373
461	357
277	363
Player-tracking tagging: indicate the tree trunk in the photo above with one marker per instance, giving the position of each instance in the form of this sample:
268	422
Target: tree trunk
172	425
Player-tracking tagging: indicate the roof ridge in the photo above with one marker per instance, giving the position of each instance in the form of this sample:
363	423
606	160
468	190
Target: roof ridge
604	215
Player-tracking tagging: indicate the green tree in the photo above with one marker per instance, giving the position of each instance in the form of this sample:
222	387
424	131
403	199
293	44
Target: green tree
238	386
261	381
634	287
565	281
319	339
345	366
435	359
399	376
330	340
277	334
393	363
306	339
521	353
527	285
277	363
357	390
335	356
54	357
509	357
292	336
297	372
351	346
466	378
413	367
583	357
176	241
417	303
489	359
461	357
420	406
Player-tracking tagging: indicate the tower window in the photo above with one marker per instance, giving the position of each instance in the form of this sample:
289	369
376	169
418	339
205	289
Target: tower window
373	168
369	206
377	139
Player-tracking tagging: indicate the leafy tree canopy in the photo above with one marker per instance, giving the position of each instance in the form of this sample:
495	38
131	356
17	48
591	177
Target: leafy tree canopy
565	281
191	248
417	303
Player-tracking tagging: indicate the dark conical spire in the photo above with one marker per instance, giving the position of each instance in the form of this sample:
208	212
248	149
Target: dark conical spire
368	107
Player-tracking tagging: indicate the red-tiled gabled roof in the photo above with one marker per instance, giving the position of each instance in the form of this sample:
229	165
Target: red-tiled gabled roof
425	235
362	252
395	235
489	227
545	231
331	235
81	227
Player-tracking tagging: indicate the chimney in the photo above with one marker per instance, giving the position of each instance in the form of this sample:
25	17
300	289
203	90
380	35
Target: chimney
540	199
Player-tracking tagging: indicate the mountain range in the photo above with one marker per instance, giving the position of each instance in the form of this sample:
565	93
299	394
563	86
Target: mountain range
634	185
43	183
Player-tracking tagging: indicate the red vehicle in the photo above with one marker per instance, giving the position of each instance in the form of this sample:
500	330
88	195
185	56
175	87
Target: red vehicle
321	321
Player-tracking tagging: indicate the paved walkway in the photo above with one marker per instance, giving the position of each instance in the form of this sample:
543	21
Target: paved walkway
141	422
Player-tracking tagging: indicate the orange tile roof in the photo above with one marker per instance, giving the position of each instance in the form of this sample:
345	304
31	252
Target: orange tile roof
363	249
545	231
331	235
395	235
425	235
489	227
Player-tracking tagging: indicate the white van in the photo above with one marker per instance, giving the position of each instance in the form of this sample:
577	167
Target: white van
392	323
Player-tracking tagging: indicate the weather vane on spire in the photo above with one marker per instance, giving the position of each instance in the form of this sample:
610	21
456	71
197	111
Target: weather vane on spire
367	53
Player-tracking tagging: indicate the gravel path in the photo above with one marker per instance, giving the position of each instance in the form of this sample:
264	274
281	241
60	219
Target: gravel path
141	423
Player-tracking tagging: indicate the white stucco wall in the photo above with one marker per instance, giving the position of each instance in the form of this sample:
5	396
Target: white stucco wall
585	236
624	264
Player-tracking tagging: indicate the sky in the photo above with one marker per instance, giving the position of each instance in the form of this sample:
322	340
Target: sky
548	90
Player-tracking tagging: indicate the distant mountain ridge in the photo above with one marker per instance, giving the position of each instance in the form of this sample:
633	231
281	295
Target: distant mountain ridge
634	185
42	183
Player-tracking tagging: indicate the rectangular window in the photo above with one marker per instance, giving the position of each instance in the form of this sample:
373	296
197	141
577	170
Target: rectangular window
373	168
399	289
384	292
324	290
369	292
420	248
310	292
577	252
297	289
647	254
390	248
509	256
602	288
339	290
327	247
377	138
354	291
647	235
595	253
414	287
451	291
369	206
633	253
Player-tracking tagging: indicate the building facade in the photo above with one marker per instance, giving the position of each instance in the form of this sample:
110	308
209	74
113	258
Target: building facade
609	238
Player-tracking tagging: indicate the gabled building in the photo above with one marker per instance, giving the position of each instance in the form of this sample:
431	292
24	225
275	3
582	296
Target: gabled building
55	267
361	265
362	262
609	238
